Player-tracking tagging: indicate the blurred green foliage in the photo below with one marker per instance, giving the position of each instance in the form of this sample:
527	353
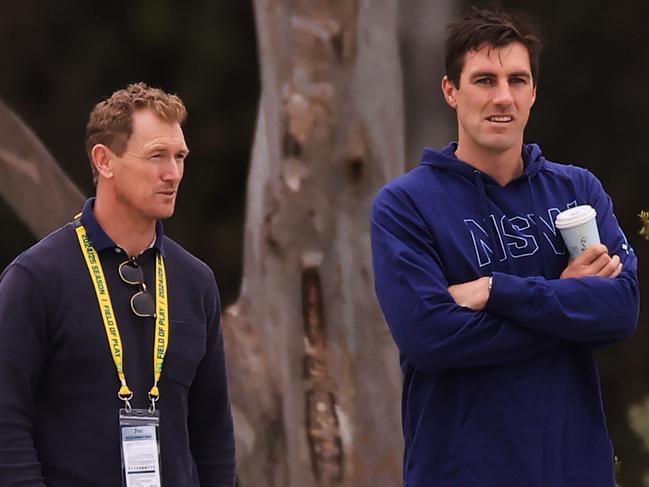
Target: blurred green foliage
639	421
644	222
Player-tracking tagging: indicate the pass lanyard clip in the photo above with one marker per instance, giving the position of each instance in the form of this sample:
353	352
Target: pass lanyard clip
161	340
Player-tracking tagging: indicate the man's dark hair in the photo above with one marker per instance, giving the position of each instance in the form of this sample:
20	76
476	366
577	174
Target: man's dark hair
494	28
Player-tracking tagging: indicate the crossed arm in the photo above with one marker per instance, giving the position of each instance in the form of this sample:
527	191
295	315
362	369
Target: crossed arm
595	261
436	326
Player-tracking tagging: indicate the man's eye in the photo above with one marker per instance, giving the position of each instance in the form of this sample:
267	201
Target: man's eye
518	81
156	155
484	81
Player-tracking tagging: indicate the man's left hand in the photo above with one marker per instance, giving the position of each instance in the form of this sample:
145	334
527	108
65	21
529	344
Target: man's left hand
472	294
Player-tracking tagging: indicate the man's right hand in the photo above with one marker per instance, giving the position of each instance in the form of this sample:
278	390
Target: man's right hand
594	261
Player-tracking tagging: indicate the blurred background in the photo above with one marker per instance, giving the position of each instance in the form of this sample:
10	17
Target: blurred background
60	58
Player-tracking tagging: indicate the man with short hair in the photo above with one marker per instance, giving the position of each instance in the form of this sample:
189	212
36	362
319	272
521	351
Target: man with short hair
111	351
495	325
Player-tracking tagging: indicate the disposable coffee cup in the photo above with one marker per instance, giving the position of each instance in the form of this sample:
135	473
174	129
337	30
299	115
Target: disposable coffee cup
578	228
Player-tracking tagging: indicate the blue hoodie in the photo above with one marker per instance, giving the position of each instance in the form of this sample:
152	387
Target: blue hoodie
508	396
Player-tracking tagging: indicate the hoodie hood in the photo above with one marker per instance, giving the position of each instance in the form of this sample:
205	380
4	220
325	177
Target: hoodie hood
446	160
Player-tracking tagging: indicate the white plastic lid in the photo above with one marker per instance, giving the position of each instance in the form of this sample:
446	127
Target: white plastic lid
575	216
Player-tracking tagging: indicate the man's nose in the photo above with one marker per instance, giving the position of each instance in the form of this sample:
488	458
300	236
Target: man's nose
503	94
173	170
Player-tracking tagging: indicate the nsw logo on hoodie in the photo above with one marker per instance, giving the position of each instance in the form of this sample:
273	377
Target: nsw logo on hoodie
515	237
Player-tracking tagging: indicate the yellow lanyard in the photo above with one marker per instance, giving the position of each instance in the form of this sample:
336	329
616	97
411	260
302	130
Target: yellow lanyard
161	339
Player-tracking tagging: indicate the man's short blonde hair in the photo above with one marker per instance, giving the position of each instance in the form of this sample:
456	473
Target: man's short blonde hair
111	121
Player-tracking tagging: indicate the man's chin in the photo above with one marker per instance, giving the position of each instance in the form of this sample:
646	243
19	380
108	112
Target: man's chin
499	145
162	213
165	215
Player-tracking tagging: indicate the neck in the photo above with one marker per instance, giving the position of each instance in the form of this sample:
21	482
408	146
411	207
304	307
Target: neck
132	233
503	166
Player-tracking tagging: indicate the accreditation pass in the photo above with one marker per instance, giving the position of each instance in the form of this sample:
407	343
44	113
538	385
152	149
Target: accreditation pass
140	455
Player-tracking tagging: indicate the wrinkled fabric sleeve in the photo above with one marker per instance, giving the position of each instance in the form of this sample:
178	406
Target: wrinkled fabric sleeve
591	310
431	331
210	424
23	345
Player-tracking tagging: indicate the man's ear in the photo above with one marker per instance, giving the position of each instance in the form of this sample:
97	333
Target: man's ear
534	95
449	90
101	158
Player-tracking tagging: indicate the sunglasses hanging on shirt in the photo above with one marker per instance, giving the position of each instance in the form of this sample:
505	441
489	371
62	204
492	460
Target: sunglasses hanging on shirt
142	302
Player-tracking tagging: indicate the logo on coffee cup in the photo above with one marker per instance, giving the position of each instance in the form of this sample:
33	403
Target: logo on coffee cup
578	227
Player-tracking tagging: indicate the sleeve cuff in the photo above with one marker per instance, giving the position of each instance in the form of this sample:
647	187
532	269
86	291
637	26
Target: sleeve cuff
507	295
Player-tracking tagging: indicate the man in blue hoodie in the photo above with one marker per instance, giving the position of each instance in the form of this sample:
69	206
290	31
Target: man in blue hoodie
495	325
111	350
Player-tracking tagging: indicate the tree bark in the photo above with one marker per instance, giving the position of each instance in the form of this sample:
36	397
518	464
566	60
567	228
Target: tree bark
31	181
313	371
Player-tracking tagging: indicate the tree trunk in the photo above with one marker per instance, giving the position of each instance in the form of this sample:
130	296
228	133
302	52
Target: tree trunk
30	180
313	371
429	120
